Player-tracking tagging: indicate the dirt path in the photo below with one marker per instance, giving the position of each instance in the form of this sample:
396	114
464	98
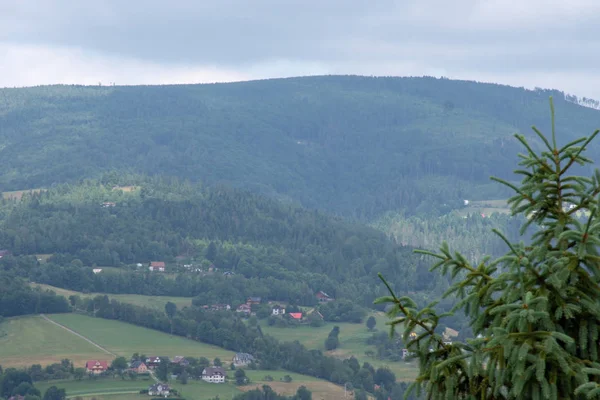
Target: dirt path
77	334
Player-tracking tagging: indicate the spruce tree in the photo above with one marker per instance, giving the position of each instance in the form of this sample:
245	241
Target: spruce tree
535	311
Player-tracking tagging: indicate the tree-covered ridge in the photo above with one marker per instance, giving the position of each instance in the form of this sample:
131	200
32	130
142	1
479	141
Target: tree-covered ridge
472	233
275	250
353	145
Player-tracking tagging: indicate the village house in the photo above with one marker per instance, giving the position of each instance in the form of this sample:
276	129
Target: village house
323	297
296	316
159	389
220	307
213	375
278	310
157	266
96	366
152	362
449	334
253	300
138	367
108	204
180	360
242	359
97	270
244	308
17	397
4	253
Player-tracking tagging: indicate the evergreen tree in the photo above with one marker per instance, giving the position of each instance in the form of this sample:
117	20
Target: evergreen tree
534	311
332	342
371	322
240	376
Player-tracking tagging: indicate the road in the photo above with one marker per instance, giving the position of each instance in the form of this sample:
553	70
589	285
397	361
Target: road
77	334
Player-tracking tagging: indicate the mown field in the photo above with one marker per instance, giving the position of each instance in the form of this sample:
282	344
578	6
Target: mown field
18	194
352	343
125	339
157	302
486	207
33	340
118	389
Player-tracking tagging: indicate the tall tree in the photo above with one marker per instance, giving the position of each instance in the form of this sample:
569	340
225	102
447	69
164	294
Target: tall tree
534	311
371	322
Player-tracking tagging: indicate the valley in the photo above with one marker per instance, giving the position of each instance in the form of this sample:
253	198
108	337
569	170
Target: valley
187	218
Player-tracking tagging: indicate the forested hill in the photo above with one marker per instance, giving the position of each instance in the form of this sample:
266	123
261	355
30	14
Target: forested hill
282	248
351	145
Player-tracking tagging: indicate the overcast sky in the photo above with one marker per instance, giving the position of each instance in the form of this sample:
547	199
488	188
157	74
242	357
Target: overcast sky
544	43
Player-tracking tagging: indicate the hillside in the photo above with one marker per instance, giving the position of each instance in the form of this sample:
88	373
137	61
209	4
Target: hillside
352	145
267	249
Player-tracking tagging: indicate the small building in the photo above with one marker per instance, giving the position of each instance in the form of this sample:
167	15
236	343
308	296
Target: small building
152	362
97	270
17	397
180	360
449	334
4	253
159	389
108	204
296	316
213	375
323	297
96	366
253	300
157	266
242	359
220	307
244	308
278	310
138	367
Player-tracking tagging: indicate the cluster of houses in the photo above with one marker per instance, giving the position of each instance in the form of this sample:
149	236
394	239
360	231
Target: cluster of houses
212	374
246	308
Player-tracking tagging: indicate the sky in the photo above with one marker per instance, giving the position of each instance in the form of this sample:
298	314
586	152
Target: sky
534	43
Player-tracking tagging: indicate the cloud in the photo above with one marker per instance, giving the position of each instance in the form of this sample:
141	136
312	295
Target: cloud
526	43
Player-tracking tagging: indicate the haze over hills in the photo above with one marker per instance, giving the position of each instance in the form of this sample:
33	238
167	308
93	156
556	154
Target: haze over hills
356	146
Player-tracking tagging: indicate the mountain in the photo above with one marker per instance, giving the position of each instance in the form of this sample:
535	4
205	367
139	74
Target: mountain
355	146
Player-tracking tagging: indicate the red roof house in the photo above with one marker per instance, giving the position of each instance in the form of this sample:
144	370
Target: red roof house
157	266
323	297
296	315
96	366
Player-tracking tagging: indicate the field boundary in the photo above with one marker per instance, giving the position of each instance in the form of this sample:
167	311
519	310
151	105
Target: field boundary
77	394
78	334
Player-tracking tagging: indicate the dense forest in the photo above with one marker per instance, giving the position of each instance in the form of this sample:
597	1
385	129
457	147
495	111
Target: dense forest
241	244
472	233
356	146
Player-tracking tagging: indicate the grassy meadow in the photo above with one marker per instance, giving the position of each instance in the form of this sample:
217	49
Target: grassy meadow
352	343
125	339
156	302
118	389
486	207
32	340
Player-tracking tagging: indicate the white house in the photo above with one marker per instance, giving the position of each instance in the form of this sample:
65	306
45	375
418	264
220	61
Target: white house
159	389
97	270
278	310
213	375
242	359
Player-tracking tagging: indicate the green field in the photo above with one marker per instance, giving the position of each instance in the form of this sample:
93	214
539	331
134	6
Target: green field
117	389
157	302
486	207
125	339
99	385
33	340
352	343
